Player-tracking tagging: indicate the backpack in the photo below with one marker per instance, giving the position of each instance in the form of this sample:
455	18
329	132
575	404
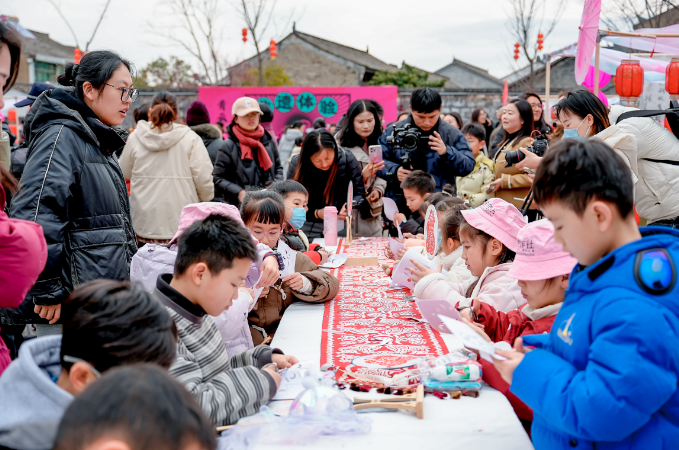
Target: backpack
672	115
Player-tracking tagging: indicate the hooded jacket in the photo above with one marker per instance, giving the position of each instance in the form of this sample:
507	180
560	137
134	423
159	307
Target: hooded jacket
607	374
458	161
657	165
73	187
370	226
169	168
28	388
494	287
473	187
286	144
212	138
233	174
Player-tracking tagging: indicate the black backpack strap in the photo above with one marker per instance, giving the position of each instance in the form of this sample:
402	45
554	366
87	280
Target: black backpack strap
661	161
646	113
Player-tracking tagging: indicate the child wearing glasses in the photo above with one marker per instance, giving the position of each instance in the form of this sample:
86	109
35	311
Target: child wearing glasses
263	213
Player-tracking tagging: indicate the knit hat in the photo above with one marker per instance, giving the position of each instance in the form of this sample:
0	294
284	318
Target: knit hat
539	256
499	219
197	114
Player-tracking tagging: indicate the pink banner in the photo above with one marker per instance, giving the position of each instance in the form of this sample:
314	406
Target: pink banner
305	104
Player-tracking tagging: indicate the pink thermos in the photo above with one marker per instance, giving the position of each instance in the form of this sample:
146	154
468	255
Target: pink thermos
330	225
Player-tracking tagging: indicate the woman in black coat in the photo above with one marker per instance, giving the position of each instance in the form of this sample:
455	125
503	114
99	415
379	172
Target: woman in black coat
325	170
73	187
248	159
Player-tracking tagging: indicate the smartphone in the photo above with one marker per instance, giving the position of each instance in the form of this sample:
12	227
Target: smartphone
375	154
489	189
527	170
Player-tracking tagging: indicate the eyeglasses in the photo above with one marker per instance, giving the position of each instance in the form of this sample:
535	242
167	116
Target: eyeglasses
272	235
536	107
126	93
73	360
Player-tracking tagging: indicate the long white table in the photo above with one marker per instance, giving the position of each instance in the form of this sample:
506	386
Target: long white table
486	422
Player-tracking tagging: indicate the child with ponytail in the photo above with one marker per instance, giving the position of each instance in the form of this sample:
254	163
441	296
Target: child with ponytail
488	235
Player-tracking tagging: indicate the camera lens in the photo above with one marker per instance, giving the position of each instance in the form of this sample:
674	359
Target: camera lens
513	157
410	141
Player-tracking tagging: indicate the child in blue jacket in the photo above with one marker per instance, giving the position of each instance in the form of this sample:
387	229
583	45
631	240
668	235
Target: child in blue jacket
606	375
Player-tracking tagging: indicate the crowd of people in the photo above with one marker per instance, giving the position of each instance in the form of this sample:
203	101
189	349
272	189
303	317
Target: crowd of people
143	274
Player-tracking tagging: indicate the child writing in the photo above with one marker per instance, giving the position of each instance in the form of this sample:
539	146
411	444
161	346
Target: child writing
450	256
264	215
295	199
153	260
213	259
606	375
473	186
417	186
488	237
542	268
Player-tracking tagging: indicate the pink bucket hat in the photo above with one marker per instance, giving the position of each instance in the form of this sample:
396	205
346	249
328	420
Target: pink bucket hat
499	219
199	211
539	256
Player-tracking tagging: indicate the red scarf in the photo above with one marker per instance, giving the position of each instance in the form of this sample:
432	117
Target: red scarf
249	140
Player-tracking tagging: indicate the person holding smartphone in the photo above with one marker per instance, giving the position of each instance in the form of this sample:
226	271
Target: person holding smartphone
359	134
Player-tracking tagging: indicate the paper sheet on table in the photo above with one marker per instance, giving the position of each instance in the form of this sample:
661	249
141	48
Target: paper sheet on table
389	208
335	261
289	257
395	245
471	339
291	381
258	291
401	272
400	233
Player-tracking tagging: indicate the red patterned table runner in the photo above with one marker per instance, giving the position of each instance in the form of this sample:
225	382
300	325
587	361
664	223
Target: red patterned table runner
366	319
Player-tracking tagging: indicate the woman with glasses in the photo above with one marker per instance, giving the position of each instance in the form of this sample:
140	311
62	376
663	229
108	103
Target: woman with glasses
263	213
535	103
168	167
326	169
72	184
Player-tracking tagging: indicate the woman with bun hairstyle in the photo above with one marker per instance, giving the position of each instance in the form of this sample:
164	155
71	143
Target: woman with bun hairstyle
73	187
168	167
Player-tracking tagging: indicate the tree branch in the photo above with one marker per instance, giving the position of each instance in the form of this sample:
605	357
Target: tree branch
101	17
75	38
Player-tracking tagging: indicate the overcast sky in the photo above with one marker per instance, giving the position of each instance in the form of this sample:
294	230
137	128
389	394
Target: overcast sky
427	36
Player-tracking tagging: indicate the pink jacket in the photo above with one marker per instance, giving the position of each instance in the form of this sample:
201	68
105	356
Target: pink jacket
494	287
23	255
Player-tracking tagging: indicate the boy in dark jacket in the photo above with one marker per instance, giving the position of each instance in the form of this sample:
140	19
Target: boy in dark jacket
213	259
417	186
295	198
607	373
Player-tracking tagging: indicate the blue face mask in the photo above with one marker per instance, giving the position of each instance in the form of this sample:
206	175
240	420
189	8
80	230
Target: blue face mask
298	217
572	133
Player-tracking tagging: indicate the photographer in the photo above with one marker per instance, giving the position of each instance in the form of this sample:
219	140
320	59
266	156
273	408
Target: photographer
441	151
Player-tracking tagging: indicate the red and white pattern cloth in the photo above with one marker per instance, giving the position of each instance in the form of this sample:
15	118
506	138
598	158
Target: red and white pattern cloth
366	319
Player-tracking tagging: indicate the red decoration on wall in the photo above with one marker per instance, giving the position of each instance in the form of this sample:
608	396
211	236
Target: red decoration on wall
629	82
273	49
672	79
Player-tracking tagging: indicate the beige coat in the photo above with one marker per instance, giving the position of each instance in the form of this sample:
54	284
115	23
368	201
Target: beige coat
370	227
515	182
169	168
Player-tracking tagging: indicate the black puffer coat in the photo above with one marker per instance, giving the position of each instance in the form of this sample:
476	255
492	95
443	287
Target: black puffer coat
233	174
212	138
72	185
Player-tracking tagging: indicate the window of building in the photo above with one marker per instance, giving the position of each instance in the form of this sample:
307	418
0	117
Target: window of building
47	72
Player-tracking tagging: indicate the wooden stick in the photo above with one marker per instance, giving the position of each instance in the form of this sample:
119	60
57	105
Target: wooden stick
410	402
548	67
224	428
626	34
596	67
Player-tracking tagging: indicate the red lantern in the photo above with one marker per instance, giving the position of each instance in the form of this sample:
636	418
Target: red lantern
272	49
629	82
245	34
516	50
540	41
672	79
77	55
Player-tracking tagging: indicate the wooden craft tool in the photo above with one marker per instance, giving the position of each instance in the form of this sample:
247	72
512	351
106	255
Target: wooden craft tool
410	402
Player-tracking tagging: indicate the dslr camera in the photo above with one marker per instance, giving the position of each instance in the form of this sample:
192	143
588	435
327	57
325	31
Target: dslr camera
406	138
539	147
